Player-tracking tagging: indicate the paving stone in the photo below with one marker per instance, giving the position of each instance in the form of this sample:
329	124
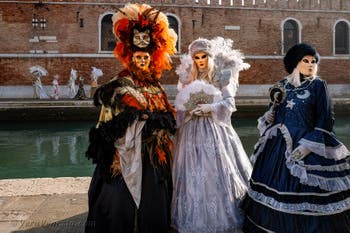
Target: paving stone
59	212
9	226
14	215
73	224
5	201
26	203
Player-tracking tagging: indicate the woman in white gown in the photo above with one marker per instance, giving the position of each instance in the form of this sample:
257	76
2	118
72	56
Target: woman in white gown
37	72
211	169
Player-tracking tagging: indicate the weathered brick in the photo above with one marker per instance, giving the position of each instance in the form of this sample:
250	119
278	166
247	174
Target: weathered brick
259	36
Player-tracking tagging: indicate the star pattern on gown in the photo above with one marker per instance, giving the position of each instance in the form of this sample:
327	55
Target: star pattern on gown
290	104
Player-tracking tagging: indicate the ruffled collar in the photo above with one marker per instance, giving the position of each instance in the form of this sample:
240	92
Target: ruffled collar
141	76
297	79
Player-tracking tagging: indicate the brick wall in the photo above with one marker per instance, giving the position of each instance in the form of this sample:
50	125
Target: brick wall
258	37
16	71
262	71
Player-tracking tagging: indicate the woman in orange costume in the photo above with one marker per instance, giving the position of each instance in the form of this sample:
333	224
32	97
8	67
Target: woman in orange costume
131	187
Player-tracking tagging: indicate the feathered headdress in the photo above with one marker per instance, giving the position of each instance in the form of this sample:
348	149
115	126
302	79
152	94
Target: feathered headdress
228	62
139	27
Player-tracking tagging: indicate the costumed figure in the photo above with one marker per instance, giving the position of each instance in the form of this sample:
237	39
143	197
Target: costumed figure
301	175
211	169
95	74
81	91
56	87
131	187
38	72
71	83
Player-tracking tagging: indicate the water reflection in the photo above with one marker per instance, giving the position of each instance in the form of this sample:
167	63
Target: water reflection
55	145
44	150
39	154
57	149
72	141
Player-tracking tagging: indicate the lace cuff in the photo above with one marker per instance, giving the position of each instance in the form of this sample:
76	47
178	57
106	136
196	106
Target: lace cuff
325	144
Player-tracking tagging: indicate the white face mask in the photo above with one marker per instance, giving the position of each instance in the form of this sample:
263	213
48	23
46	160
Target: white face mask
307	66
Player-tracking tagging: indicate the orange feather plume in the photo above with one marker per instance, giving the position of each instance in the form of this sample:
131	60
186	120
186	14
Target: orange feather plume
163	38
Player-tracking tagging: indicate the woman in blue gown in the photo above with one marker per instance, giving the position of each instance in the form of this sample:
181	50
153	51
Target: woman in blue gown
301	174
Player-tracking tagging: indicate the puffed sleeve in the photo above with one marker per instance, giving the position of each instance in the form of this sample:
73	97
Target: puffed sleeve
322	140
223	109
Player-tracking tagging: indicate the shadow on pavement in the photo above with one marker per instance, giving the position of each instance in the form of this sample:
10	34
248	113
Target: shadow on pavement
73	224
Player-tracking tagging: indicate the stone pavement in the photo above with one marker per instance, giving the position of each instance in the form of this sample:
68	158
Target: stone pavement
43	205
65	213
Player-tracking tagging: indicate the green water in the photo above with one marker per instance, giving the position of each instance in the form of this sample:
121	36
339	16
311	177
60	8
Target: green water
46	149
248	133
57	149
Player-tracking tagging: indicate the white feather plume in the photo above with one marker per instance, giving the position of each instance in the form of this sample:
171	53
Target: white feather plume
196	86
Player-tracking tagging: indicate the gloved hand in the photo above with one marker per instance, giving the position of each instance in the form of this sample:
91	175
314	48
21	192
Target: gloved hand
201	109
269	116
300	152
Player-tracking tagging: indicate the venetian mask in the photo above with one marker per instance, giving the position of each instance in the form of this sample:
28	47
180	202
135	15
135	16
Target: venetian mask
141	39
141	60
201	60
307	66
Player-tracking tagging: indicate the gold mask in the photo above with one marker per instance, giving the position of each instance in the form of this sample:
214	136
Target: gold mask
141	60
141	39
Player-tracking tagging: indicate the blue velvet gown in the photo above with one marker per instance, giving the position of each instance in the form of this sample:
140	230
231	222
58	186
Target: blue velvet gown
299	196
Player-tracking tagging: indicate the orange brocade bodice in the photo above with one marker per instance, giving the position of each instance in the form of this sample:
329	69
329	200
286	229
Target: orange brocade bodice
149	97
154	97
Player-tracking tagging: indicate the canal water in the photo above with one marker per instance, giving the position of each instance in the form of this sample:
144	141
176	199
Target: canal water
57	149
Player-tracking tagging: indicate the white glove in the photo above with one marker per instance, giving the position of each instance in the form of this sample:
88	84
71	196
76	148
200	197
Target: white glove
300	152
202	109
269	116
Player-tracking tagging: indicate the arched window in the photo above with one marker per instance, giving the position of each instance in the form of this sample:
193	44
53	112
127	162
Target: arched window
107	38
290	34
174	24
341	38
